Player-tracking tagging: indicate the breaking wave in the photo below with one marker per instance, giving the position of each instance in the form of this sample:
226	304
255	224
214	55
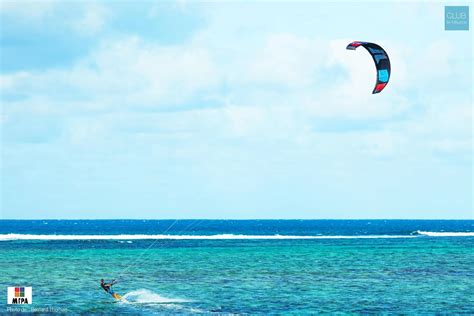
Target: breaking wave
445	234
129	238
7	237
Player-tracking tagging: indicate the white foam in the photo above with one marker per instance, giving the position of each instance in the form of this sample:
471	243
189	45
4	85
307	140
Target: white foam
143	296
7	237
446	234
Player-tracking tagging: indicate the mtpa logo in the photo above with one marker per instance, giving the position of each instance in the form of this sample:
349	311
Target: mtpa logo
20	295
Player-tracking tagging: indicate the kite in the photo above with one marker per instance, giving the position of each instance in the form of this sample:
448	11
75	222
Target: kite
381	60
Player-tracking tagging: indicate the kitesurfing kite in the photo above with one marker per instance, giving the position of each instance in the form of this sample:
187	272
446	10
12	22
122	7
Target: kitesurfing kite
382	63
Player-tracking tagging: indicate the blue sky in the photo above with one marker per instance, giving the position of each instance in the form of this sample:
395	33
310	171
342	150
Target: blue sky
233	110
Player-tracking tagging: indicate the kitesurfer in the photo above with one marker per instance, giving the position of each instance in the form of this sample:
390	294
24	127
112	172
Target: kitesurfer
107	286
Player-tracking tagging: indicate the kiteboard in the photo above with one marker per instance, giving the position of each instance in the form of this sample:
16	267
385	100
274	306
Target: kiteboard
116	296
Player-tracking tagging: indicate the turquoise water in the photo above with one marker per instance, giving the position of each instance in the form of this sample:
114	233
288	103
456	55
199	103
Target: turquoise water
419	274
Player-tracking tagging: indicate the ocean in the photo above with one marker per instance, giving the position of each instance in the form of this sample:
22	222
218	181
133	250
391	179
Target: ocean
254	267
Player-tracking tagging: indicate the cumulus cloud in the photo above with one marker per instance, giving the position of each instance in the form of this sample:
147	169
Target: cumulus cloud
287	60
125	73
93	19
285	86
251	101
282	91
28	10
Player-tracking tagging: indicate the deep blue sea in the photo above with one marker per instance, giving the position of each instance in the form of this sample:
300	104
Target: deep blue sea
257	267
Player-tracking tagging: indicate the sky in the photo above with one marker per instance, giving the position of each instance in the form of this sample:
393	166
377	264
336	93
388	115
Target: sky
142	109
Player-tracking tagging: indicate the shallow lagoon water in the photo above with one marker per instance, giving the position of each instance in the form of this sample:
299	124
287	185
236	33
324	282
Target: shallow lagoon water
417	274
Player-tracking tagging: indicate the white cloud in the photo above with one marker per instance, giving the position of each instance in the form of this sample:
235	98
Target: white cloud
382	144
435	61
286	59
281	90
92	20
28	10
245	106
126	73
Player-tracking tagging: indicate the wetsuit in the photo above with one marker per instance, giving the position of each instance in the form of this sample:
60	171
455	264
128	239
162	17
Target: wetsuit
106	287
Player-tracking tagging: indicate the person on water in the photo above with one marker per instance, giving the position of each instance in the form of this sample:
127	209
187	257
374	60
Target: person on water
107	286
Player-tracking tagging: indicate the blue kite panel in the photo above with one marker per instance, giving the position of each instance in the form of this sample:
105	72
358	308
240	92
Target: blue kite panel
383	75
